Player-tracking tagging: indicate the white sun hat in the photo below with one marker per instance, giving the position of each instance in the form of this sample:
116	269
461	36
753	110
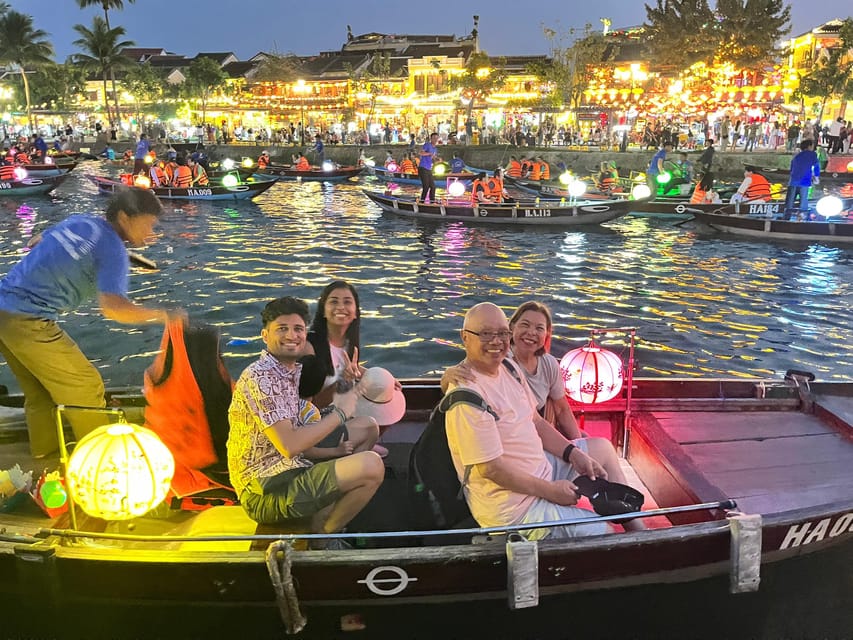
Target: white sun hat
379	397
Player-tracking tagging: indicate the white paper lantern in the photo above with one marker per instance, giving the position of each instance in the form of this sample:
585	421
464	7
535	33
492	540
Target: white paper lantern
120	471
591	374
230	180
829	206
577	188
456	188
641	191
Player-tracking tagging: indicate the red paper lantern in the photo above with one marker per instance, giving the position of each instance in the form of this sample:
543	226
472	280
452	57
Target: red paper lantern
591	374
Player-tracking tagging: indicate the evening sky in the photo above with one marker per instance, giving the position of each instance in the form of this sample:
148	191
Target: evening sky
245	27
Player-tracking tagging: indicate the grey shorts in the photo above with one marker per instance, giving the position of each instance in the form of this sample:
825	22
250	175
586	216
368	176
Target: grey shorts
291	495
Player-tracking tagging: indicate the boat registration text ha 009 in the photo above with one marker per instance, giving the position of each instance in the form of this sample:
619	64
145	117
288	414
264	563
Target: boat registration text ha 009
537	213
199	192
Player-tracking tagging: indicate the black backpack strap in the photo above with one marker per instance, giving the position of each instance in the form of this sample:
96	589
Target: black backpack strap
468	397
511	367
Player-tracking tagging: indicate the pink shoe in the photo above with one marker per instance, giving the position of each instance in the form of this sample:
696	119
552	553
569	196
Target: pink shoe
379	449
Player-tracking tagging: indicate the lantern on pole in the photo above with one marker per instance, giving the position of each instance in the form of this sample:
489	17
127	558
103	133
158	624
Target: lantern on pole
119	471
591	374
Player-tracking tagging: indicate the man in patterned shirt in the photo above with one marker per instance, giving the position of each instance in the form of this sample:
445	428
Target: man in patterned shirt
275	482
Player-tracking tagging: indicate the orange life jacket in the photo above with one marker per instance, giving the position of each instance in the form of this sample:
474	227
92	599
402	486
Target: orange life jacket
847	190
535	170
158	176
514	170
698	196
200	176
127	155
177	412
526	168
22	158
263	162
759	188
407	166
183	177
545	173
169	170
7	172
607	181
496	188
303	164
126	178
485	189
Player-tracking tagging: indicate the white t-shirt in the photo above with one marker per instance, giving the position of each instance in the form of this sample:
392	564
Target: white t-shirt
475	437
339	355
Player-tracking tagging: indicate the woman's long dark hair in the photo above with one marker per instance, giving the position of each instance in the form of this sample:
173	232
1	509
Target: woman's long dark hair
707	181
319	334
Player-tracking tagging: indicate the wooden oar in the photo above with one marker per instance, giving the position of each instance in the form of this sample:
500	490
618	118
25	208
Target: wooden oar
142	261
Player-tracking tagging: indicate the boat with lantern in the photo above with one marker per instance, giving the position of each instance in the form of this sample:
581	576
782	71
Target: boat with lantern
748	509
329	172
46	170
222	189
31	185
571	212
442	176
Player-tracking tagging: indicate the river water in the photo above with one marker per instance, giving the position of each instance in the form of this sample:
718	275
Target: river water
702	304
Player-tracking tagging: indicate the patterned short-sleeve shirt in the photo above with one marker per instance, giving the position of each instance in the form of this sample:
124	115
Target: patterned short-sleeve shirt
266	392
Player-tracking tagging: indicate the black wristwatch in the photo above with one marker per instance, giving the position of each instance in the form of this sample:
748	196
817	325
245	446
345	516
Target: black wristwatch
567	452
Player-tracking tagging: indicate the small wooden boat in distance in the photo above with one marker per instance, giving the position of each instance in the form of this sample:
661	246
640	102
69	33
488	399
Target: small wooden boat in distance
31	185
527	212
773	228
314	174
240	191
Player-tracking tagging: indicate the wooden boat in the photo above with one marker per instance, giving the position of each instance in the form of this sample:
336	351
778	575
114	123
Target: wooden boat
412	178
827	179
315	174
749	509
569	213
31	185
216	173
759	224
242	191
48	170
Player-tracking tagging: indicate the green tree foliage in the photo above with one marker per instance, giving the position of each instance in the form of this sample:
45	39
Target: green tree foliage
145	84
102	55
482	77
59	85
749	30
680	33
278	68
831	74
369	80
204	78
22	45
743	32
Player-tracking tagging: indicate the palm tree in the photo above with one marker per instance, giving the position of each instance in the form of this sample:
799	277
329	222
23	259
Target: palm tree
107	5
103	53
20	45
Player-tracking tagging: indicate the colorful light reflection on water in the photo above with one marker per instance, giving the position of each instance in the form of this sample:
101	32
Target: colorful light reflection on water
702	305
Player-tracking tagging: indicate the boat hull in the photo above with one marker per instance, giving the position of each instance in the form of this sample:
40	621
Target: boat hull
213	192
777	229
519	213
31	186
408	178
315	174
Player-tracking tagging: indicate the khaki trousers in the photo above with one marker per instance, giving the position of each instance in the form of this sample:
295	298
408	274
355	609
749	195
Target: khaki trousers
51	370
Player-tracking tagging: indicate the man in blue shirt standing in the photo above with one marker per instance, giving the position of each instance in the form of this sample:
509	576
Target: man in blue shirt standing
805	171
428	156
143	147
81	258
656	167
320	149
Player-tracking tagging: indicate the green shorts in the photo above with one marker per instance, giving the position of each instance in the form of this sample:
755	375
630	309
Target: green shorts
291	495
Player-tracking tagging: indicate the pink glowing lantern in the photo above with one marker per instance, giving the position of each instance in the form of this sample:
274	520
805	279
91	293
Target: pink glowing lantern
392	167
591	374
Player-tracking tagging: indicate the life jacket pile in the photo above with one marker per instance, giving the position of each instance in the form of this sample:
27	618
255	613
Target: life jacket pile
607	181
263	161
7	172
407	166
535	170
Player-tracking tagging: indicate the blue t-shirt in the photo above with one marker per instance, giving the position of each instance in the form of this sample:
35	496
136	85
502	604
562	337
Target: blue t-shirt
653	165
142	149
76	260
457	165
426	159
318	146
804	165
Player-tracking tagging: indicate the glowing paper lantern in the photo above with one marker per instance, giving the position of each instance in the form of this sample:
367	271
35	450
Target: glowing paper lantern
119	471
829	206
142	181
369	162
456	188
48	160
149	158
566	178
228	164
20	173
664	177
850	166
230	180
392	167
591	374
641	191
328	165
440	169
247	163
577	188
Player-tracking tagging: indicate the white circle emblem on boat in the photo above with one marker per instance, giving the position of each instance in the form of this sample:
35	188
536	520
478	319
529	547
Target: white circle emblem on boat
680	208
397	584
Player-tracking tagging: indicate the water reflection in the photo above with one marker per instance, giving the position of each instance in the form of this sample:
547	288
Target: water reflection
702	306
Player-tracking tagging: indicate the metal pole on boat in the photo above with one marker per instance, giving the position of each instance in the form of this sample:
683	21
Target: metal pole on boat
629	379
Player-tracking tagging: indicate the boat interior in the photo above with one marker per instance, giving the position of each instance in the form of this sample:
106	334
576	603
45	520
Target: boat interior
771	447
